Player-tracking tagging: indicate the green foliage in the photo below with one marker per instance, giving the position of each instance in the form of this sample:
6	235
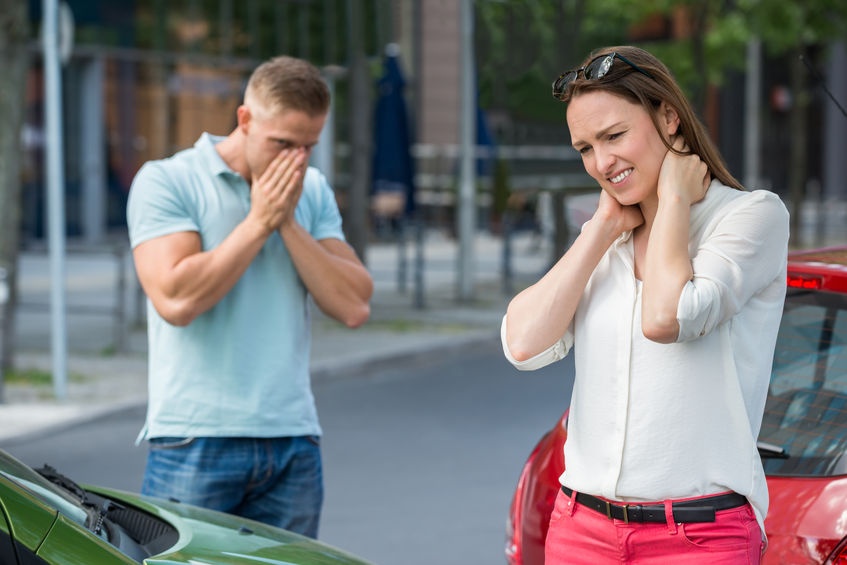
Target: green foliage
726	42
522	45
784	24
530	99
608	22
257	29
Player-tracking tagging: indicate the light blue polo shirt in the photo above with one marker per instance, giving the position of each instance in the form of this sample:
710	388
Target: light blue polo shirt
242	368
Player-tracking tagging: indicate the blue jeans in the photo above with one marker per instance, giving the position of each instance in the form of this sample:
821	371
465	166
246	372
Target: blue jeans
278	481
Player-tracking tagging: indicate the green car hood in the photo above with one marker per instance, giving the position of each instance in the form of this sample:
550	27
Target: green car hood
215	538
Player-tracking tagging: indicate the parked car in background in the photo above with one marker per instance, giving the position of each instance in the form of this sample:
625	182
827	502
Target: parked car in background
803	440
47	519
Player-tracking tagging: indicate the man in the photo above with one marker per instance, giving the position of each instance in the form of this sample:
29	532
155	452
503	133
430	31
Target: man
229	239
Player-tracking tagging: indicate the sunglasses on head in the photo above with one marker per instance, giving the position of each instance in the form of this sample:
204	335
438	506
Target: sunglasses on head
596	69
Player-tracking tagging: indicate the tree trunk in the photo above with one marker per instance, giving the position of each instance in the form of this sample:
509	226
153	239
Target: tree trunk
361	130
13	60
698	17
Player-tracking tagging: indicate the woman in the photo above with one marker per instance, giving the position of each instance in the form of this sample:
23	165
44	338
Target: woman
671	298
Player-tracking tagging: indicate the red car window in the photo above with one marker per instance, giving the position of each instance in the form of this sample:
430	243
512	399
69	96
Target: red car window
807	401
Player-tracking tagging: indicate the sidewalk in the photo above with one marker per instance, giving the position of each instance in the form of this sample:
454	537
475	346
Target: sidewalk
102	381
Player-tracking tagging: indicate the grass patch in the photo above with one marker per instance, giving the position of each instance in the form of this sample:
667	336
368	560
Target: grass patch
403	325
406	326
35	377
397	326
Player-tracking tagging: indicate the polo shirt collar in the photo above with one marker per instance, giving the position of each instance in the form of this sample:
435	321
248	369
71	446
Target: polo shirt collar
206	146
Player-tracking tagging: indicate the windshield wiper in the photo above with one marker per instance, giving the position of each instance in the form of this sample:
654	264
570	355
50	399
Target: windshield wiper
98	512
63	482
771	451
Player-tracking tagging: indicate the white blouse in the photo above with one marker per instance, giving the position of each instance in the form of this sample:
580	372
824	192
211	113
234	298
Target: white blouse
652	421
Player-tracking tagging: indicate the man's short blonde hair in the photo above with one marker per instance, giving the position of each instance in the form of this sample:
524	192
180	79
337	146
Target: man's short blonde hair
287	83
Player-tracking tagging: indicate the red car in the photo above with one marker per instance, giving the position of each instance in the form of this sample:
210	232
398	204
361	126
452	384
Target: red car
803	441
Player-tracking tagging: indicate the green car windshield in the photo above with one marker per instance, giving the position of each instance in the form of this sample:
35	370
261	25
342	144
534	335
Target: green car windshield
805	421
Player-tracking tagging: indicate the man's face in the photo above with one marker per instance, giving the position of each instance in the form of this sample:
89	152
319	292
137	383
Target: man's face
267	134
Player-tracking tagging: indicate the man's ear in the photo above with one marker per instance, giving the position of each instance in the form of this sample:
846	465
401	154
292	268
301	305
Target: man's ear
244	116
669	118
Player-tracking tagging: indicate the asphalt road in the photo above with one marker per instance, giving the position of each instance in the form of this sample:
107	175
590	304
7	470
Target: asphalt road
420	459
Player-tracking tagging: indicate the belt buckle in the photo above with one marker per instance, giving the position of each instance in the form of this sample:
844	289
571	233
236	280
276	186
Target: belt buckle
622	506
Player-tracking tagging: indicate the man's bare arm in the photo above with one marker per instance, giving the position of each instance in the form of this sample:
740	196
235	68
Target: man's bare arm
335	277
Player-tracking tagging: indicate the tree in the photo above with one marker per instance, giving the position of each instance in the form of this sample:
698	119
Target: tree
13	60
787	29
701	40
794	29
522	45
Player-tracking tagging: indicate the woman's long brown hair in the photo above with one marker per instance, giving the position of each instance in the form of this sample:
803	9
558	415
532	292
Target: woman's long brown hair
624	81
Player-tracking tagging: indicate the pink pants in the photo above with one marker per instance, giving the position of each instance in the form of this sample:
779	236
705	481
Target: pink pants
581	535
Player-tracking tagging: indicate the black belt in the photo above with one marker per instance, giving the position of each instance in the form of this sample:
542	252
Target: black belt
700	510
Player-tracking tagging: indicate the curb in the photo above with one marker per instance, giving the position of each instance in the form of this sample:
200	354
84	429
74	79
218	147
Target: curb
69	416
339	369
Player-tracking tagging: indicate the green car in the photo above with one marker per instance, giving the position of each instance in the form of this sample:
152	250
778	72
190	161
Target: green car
45	518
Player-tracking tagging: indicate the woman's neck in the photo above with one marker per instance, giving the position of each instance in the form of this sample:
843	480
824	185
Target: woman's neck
649	207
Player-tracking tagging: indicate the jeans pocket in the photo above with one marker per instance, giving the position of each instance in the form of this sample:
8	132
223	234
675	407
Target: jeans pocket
170	442
315	440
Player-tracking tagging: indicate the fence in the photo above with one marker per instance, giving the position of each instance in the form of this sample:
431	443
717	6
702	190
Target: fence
98	282
548	174
123	302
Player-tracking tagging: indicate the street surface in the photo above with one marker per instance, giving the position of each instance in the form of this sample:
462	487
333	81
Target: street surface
420	460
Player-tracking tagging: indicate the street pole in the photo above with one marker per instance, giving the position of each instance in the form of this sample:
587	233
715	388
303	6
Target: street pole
835	126
466	216
752	110
4	301
55	194
324	151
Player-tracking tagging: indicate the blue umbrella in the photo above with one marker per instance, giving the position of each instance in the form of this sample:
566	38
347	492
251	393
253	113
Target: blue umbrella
393	168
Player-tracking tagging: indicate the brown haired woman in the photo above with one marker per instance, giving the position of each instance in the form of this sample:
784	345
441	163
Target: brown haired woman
671	297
